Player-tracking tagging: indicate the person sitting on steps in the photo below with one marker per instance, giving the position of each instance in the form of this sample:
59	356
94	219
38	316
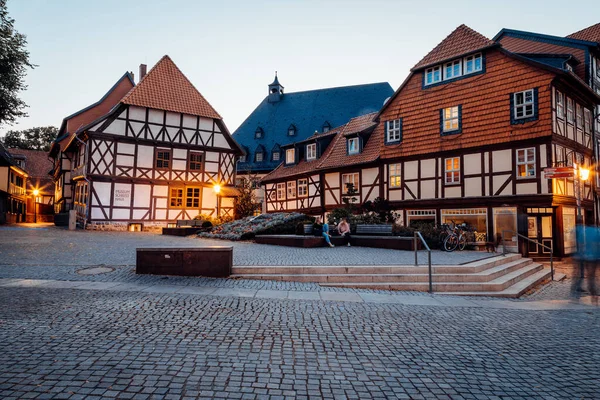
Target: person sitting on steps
344	230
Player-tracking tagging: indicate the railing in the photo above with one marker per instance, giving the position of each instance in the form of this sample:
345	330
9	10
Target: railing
418	237
78	171
532	241
14	189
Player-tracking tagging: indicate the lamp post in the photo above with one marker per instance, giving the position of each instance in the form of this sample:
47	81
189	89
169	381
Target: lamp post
581	175
35	195
217	189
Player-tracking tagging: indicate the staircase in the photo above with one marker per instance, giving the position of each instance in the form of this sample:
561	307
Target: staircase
500	276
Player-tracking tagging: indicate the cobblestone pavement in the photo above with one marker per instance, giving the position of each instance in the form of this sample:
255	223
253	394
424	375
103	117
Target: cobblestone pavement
59	343
56	246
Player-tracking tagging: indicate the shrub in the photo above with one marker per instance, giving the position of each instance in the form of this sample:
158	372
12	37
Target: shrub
247	228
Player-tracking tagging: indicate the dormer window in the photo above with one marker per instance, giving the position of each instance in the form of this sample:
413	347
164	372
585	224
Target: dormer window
353	146
311	151
259	133
290	156
326	127
453	69
259	154
433	75
275	156
259	157
292	130
243	158
472	63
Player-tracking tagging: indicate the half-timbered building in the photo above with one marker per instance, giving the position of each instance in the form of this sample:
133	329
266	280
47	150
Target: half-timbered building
13	189
466	138
161	154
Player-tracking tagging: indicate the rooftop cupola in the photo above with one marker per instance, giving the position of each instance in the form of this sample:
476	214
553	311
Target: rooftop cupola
275	90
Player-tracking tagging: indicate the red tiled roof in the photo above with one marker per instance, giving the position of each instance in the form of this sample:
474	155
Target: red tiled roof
165	87
462	40
37	166
337	155
590	34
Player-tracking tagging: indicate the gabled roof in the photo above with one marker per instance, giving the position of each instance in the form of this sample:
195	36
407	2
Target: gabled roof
463	40
37	163
590	34
165	87
308	111
541	37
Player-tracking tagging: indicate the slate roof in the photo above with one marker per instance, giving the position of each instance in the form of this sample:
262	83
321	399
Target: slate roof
165	87
308	111
5	157
463	40
590	34
37	165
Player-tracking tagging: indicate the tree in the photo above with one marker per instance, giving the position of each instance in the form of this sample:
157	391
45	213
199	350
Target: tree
14	62
245	204
38	138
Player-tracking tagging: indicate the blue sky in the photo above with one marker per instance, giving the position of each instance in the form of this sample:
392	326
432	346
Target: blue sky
231	49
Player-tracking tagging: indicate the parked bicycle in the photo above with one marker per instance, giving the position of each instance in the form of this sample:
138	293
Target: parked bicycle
456	238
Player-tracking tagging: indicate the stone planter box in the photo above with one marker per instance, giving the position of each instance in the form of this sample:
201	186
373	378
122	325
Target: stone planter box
212	261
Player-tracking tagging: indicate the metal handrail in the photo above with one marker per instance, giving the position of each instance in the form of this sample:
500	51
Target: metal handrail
533	241
415	242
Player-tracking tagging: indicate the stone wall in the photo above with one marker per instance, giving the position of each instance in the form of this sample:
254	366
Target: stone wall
147	226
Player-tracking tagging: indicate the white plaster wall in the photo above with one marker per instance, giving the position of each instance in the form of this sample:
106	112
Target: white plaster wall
473	186
139	113
126	148
173	118
472	164
369	175
413	186
206	124
103	191
125	161
189	121
117	127
411	169
119	213
220	141
145	156
527	188
395	195
428	189
142	195
428	168
502	160
162	191
452	191
333	179
498	181
542	156
209	198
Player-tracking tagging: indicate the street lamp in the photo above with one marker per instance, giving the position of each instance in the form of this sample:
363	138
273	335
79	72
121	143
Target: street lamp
35	195
581	175
217	189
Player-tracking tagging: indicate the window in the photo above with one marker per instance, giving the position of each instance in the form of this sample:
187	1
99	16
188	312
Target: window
472	64
353	146
176	197
451	119
523	104
192	197
452	69
311	151
276	155
560	105
290	156
281	191
587	121
395	178
349	179
394	131
326	127
526	163
163	159
579	117
302	187
243	157
259	156
452	171
292	130
195	162
291	190
433	75
259	133
570	112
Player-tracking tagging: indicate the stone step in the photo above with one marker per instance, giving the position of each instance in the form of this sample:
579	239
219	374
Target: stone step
495	285
351	277
473	267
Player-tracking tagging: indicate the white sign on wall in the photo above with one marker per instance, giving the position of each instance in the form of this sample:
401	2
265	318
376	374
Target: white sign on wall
122	197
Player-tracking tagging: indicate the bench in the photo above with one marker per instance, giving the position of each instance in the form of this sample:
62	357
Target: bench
379	230
185	227
212	261
189	222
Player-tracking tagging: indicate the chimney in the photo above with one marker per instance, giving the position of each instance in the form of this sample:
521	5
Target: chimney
143	68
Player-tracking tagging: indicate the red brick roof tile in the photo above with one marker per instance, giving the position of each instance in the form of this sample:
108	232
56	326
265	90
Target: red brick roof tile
590	34
165	87
462	40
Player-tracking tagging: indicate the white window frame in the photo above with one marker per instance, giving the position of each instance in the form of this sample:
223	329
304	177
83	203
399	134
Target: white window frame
587	121
525	106
527	162
353	178
473	59
450	71
281	191
451	115
353	146
311	151
290	156
570	111
430	75
395	176
560	105
291	190
276	155
452	174
394	133
260	156
579	116
303	187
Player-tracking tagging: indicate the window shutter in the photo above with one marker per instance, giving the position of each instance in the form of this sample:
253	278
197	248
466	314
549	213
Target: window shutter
441	121
535	104
401	130
385	132
512	107
459	118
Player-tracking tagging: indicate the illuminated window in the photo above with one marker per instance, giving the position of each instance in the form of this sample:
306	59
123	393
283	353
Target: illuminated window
395	177
291	190
176	197
452	171
311	151
290	156
281	191
451	119
526	163
349	180
302	187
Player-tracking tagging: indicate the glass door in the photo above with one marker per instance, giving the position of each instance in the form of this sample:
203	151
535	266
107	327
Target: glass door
539	228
